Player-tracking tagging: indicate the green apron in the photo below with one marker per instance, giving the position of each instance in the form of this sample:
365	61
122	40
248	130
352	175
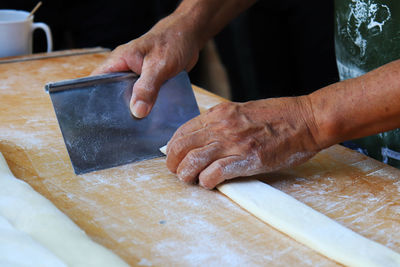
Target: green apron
367	35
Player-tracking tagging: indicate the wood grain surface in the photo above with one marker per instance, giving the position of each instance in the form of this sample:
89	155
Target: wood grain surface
149	218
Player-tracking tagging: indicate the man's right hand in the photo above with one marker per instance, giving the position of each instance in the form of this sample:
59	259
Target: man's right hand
167	49
171	46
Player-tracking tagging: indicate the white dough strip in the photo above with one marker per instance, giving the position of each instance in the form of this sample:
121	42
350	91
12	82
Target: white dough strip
306	225
34	219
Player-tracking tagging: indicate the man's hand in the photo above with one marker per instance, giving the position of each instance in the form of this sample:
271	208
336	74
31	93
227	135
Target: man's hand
243	139
171	46
164	51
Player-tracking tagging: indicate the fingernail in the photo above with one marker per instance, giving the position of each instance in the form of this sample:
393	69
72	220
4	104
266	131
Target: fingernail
140	109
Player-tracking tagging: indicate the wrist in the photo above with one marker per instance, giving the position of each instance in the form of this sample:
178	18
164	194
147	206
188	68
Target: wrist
307	112
192	18
208	17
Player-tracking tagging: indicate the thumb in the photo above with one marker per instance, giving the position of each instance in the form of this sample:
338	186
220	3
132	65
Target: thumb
145	90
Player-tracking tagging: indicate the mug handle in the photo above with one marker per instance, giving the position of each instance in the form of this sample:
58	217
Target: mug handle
46	29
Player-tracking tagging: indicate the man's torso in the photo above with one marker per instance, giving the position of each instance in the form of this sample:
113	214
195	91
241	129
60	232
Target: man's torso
367	35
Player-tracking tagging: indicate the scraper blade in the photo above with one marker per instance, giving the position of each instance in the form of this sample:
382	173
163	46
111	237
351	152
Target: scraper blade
98	128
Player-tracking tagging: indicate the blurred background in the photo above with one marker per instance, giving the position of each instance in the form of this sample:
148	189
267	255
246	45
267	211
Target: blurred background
276	48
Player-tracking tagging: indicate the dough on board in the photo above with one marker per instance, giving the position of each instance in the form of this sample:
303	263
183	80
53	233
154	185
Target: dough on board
19	249
306	225
164	150
29	220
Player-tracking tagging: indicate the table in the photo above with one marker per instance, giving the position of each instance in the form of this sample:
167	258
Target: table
147	216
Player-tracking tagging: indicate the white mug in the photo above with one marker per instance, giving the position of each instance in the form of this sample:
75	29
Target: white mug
16	31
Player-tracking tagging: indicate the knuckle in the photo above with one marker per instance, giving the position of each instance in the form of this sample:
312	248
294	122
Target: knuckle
221	108
195	158
224	105
119	49
191	159
252	144
178	133
145	90
177	148
190	166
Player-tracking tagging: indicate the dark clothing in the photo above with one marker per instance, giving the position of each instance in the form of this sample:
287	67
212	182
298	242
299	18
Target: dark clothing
367	35
280	48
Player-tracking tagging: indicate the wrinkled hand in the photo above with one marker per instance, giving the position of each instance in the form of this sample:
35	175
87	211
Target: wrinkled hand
243	139
167	49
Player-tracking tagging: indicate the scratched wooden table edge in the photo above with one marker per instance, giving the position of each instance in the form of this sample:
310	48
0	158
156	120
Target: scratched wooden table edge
54	54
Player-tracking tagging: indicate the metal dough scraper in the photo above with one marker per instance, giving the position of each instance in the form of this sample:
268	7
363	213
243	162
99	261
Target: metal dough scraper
98	128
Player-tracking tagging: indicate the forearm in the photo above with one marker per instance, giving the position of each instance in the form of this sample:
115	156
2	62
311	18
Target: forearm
357	107
205	18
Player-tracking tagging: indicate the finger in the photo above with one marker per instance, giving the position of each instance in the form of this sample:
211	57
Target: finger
179	147
223	169
111	65
123	58
115	62
145	90
197	123
187	128
197	160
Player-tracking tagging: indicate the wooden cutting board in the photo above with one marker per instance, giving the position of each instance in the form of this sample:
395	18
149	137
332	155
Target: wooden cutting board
148	217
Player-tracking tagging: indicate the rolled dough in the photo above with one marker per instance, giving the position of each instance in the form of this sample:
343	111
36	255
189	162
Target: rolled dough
30	225
19	249
306	225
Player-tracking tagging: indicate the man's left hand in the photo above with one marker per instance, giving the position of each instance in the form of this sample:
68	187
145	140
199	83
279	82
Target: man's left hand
243	139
